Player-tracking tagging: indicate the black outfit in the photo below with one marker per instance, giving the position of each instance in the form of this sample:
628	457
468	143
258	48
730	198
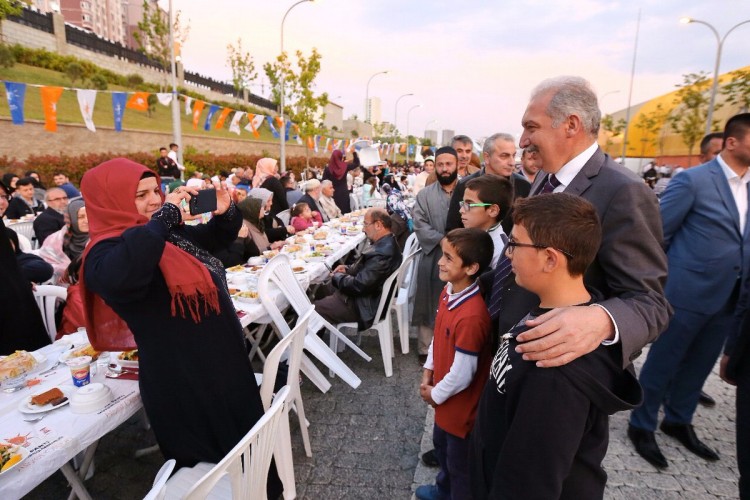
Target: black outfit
50	221
237	253
279	203
34	268
197	385
17	208
340	187
738	369
521	189
363	281
277	233
21	325
543	432
167	167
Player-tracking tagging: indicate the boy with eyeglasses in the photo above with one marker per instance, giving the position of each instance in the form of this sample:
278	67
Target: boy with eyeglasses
543	432
486	203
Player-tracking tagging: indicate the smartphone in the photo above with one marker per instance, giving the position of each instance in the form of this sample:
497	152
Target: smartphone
203	202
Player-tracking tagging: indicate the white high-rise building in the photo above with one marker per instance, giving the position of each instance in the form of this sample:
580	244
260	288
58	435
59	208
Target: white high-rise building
431	135
374	114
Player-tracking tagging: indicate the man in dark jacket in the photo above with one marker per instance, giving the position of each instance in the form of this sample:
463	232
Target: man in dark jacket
24	203
354	291
53	218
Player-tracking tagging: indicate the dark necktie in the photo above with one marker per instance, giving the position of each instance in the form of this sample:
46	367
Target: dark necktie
549	184
501	273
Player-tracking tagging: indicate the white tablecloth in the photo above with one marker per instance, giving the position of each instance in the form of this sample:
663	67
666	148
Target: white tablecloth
62	434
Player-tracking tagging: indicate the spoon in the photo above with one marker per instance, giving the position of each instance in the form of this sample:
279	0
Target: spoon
34	418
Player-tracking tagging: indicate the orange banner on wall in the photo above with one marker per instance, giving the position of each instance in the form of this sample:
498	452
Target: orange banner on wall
222	117
50	96
197	110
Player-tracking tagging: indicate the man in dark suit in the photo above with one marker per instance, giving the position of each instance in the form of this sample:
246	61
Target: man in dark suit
52	219
313	191
704	211
562	121
499	156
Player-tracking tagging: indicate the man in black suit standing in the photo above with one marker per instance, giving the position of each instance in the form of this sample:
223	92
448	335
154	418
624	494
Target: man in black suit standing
562	121
499	156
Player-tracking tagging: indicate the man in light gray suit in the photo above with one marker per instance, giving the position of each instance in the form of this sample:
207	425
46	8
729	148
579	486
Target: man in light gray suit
562	121
705	211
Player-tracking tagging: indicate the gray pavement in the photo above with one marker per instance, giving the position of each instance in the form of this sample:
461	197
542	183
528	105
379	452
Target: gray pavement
366	444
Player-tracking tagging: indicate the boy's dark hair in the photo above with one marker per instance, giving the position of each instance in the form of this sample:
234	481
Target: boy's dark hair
473	245
298	208
25	181
59	172
564	222
162	149
737	127
493	189
172	144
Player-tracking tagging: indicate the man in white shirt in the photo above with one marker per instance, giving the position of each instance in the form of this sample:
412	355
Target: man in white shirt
173	148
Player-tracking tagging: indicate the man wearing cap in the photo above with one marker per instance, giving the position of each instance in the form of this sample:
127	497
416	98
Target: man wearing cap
429	215
420	180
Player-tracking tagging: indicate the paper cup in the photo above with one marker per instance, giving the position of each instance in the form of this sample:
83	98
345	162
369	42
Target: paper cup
80	370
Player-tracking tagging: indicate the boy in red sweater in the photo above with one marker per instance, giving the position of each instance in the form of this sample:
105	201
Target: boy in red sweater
458	360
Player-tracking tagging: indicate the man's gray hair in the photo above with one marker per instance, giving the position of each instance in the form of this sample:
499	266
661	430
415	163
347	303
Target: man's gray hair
489	143
326	182
312	185
52	191
571	95
463	139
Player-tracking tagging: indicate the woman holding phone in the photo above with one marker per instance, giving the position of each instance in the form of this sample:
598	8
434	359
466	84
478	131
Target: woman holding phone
148	275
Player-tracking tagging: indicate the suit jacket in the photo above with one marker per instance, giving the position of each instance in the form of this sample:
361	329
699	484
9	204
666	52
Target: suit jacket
50	221
521	189
630	268
707	253
306	198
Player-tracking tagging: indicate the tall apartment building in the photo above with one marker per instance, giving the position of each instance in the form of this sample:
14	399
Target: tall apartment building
101	17
431	135
447	136
374	110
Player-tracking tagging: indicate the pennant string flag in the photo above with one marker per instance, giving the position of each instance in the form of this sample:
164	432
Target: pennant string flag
286	130
213	109
222	117
197	110
165	98
274	130
188	105
138	101
86	102
118	108
234	126
254	124
50	96
16	93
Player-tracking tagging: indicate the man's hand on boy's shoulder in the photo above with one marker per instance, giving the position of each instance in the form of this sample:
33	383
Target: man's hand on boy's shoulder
426	392
562	335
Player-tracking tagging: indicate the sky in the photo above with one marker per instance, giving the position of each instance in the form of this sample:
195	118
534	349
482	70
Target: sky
471	65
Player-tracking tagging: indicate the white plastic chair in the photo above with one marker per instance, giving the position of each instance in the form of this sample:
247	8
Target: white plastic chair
157	490
284	215
292	344
46	298
411	244
25	228
382	324
243	473
376	202
404	296
353	202
279	272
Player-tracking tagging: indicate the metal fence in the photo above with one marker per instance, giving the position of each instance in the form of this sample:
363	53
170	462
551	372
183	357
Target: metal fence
34	20
90	41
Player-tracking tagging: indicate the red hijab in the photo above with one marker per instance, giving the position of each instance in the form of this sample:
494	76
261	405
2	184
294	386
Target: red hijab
109	190
337	165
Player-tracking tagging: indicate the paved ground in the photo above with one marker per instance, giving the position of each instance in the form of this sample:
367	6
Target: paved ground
366	442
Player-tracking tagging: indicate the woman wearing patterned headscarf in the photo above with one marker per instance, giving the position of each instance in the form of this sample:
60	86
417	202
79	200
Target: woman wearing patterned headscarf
265	177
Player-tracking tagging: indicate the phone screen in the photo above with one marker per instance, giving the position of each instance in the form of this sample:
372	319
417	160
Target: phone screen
203	202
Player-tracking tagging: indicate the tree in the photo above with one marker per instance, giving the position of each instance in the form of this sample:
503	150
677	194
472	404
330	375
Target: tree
301	104
611	128
152	34
10	8
688	119
74	71
354	134
243	67
737	92
650	125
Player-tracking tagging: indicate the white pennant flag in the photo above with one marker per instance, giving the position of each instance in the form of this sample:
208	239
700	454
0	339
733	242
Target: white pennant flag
86	101
188	105
165	98
235	125
255	123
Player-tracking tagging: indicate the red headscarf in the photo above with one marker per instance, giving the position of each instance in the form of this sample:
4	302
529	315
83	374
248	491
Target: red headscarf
109	190
337	165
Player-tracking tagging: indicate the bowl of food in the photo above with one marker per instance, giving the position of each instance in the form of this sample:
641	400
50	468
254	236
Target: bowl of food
292	248
270	254
324	249
300	239
248	296
353	230
236	269
129	359
15	368
11	455
320	235
84	350
314	257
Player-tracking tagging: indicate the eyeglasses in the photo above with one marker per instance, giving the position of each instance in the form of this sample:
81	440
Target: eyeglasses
466	206
512	244
58	199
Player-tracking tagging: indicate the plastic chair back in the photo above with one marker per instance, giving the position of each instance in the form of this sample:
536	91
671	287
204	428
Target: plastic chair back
249	461
377	202
284	215
46	298
157	489
25	228
279	271
386	297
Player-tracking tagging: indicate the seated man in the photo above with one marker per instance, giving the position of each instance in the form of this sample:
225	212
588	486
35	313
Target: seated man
23	202
311	197
52	219
326	203
63	182
354	291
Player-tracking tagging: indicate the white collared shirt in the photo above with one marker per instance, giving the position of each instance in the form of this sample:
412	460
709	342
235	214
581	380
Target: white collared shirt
568	171
738	186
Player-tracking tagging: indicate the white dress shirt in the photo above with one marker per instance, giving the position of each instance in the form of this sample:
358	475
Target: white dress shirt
738	186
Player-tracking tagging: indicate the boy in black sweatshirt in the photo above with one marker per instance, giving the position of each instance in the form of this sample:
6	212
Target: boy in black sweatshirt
542	433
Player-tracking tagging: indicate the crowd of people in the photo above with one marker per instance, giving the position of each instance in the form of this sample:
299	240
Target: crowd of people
540	281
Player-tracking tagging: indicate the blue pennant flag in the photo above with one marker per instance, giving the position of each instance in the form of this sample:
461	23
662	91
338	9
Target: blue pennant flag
433	149
16	93
119	99
288	125
273	128
411	149
213	109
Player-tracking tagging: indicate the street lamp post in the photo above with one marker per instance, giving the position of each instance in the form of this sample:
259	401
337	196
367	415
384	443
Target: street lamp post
407	129
176	123
367	95
720	44
282	132
395	122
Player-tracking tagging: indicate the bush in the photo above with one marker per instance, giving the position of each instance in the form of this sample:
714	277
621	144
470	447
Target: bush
134	80
99	82
74	71
7	59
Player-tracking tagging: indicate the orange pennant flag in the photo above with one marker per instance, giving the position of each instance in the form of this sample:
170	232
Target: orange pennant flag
197	109
50	96
138	101
280	122
310	143
222	117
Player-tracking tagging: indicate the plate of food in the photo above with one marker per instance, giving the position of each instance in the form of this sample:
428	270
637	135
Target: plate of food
254	269
324	249
270	254
84	350
128	359
46	401
11	455
249	296
320	235
236	269
292	248
353	230
16	367
314	257
299	269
